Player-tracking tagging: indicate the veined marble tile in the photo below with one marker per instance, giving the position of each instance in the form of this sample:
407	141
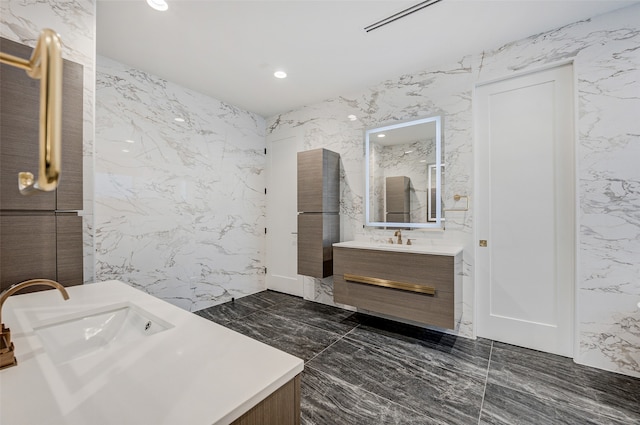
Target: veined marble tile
610	331
441	394
291	336
179	203
442	350
224	313
332	319
578	394
327	400
508	406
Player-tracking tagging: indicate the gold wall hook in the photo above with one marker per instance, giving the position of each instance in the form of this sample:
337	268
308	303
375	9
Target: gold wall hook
45	64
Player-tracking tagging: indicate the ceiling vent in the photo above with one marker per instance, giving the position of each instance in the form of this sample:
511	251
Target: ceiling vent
406	12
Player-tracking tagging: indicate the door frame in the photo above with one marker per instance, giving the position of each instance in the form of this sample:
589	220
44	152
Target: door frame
576	201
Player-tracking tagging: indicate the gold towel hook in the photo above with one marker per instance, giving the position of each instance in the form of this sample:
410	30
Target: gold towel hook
457	198
46	65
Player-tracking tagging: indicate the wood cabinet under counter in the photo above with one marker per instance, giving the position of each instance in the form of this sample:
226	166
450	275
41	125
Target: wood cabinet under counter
403	283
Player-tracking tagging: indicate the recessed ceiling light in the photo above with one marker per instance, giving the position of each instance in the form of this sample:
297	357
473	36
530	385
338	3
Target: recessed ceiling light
280	74
129	141
125	150
160	5
352	117
179	119
423	160
381	135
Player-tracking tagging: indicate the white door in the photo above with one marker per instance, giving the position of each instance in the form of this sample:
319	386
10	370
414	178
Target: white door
525	201
282	216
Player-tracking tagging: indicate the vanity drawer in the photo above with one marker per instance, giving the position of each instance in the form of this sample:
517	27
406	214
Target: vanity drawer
427	281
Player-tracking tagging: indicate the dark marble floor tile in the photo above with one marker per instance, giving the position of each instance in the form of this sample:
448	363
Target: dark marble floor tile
534	372
254	301
506	406
323	316
618	395
448	351
560	382
223	313
271	298
440	394
328	400
293	337
242	307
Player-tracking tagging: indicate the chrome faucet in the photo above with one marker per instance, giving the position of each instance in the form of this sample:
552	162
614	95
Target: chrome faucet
398	233
7	358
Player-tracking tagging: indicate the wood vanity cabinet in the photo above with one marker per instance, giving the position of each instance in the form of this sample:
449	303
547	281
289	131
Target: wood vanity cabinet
438	272
282	407
318	211
40	234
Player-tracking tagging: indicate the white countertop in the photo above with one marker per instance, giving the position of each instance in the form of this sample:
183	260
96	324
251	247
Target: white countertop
415	249
197	372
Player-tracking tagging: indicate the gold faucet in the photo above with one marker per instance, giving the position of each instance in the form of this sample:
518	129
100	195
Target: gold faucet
7	357
398	233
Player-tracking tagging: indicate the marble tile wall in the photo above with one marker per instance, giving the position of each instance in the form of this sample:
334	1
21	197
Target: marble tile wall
75	21
606	55
179	206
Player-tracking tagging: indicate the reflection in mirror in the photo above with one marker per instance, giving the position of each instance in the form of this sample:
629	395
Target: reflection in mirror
403	187
431	190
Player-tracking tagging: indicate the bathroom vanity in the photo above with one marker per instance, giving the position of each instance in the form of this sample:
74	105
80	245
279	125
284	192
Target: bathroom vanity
158	365
410	282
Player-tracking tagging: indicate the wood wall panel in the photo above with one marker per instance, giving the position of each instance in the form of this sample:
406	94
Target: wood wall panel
70	191
69	249
19	132
27	248
19	135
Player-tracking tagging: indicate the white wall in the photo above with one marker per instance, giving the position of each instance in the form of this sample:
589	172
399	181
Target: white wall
181	213
75	22
606	54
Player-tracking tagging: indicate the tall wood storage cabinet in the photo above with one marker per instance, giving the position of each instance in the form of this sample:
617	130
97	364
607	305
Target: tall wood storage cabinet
318	211
40	234
398	195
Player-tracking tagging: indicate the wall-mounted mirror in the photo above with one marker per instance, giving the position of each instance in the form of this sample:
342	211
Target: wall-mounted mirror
404	174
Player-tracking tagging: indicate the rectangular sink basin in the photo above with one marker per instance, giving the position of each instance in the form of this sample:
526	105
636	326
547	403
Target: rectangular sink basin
106	328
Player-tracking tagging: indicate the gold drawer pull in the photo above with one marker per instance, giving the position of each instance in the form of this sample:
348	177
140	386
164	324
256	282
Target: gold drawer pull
411	287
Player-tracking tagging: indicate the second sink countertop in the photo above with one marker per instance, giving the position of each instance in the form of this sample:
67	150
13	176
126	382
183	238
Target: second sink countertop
415	249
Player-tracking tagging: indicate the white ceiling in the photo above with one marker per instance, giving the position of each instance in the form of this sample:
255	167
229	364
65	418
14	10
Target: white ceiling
229	49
